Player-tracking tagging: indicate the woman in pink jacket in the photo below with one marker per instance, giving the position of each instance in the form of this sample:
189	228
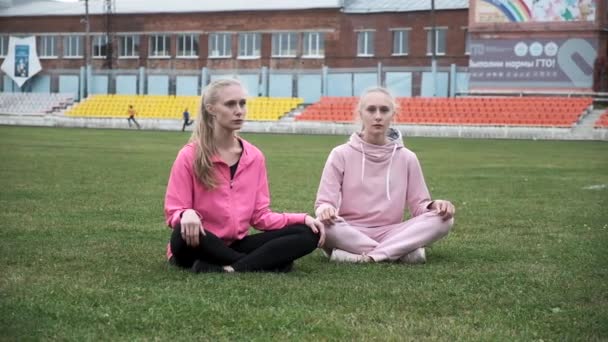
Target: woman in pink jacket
218	188
365	187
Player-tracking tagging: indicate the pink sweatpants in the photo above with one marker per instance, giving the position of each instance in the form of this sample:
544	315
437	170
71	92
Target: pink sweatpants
388	242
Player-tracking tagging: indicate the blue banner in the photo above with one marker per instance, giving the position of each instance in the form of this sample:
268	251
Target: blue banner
22	60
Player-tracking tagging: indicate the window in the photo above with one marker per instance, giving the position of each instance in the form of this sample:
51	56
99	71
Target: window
249	45
401	38
467	41
284	44
313	44
159	46
220	45
440	33
3	45
187	45
129	46
365	43
100	46
72	46
47	46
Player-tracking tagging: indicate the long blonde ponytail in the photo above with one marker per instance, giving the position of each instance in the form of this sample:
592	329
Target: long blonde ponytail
203	134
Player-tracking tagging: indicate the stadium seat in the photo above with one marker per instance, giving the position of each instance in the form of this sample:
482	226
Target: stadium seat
502	111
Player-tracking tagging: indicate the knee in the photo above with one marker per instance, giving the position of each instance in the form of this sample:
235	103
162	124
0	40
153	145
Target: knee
445	226
442	226
307	236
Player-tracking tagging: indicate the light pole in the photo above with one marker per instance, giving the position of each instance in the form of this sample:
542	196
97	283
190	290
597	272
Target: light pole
87	48
433	48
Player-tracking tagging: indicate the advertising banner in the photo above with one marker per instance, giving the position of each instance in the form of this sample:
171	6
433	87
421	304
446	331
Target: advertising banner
532	63
21	62
523	11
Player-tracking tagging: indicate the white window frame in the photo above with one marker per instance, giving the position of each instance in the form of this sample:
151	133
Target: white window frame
3	45
68	47
95	39
278	42
159	39
129	46
368	35
253	39
313	42
43	45
429	33
397	35
220	45
190	43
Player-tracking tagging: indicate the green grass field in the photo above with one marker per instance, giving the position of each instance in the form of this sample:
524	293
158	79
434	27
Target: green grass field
82	244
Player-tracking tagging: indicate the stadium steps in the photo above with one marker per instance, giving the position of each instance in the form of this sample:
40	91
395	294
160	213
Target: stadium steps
587	123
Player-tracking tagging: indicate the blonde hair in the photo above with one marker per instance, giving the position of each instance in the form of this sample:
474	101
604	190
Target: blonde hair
202	135
376	89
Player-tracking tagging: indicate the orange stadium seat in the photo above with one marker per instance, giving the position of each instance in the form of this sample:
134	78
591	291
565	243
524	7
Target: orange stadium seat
528	111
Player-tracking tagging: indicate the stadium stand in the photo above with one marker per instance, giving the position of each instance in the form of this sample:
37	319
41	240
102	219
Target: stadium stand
507	111
602	122
172	107
270	108
34	103
146	106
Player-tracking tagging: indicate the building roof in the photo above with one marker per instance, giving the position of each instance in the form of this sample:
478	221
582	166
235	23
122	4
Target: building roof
48	7
376	6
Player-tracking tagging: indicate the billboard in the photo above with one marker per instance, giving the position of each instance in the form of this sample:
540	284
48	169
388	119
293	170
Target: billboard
539	63
529	11
21	62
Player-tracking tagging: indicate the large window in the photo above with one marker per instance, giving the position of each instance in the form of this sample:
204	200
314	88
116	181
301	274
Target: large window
220	45
129	46
100	46
249	45
401	42
159	46
187	45
365	43
440	35
47	47
284	44
313	45
73	47
3	45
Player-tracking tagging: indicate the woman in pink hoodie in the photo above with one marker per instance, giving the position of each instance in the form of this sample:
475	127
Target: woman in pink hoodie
367	184
218	188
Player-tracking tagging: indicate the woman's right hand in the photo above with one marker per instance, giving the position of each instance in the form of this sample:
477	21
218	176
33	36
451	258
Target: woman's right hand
328	216
191	226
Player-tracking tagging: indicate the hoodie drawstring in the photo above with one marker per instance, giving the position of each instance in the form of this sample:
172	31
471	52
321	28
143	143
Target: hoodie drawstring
388	173
362	162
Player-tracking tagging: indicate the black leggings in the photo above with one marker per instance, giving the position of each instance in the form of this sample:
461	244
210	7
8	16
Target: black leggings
268	251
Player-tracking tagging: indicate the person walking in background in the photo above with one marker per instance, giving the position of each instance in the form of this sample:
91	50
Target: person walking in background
131	112
366	185
218	188
187	121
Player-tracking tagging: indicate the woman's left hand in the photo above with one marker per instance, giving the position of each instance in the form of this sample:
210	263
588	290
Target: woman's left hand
445	209
317	227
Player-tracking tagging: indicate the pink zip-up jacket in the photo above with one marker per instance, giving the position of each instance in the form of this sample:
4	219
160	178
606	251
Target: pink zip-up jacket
233	206
371	185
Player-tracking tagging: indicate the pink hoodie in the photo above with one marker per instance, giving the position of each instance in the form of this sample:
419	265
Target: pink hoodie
370	185
228	210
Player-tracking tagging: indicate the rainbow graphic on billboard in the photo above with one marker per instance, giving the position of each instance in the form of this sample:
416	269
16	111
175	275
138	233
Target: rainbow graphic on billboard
515	10
523	11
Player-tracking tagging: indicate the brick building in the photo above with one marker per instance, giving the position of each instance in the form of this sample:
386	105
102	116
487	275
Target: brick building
281	48
276	47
